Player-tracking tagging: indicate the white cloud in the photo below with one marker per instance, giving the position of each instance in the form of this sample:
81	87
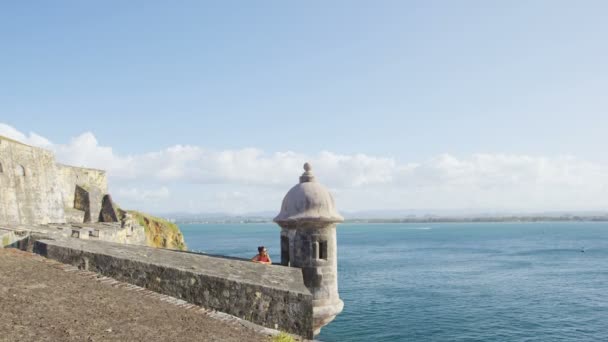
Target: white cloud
137	195
250	179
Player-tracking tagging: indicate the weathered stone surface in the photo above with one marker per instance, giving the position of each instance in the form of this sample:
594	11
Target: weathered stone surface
28	185
43	301
268	295
308	200
74	180
74	215
110	232
9	237
34	189
108	212
308	220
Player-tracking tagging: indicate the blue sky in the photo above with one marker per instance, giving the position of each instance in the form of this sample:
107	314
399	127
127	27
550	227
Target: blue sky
404	81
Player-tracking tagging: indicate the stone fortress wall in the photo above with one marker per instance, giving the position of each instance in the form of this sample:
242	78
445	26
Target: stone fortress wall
35	189
38	195
29	185
82	190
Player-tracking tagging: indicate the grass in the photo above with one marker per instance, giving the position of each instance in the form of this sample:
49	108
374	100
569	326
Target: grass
140	218
166	225
283	337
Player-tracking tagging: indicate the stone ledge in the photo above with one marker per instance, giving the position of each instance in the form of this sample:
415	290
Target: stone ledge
268	295
46	300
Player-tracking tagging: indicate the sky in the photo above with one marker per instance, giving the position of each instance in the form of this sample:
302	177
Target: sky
201	106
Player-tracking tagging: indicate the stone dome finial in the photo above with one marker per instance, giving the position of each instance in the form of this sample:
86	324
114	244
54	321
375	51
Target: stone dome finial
308	201
307	176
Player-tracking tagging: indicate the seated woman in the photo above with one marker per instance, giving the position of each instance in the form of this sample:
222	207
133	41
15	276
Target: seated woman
262	256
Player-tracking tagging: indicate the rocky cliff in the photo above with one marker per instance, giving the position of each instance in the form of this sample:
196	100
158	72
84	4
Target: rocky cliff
160	232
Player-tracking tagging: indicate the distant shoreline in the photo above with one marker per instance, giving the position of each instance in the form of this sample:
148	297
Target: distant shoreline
482	220
498	219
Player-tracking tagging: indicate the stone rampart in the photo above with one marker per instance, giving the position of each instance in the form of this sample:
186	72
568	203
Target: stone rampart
268	295
102	231
35	189
29	186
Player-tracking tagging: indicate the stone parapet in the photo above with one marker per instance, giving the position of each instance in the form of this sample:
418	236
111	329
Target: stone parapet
269	295
101	231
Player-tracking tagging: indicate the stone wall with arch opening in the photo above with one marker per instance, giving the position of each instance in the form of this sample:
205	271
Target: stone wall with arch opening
35	189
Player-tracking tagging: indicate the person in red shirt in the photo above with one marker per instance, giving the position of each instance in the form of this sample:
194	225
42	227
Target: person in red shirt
262	256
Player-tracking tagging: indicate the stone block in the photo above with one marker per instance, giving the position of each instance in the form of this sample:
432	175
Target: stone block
74	215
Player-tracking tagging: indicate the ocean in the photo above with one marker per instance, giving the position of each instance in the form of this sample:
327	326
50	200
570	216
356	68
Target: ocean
541	281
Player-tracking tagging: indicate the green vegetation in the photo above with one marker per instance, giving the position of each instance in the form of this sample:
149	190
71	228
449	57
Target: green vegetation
141	219
159	232
283	337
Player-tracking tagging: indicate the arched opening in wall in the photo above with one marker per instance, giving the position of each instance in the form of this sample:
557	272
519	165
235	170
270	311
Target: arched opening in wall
20	170
1	169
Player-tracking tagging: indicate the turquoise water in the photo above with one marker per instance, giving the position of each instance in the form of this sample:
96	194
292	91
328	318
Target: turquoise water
454	282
